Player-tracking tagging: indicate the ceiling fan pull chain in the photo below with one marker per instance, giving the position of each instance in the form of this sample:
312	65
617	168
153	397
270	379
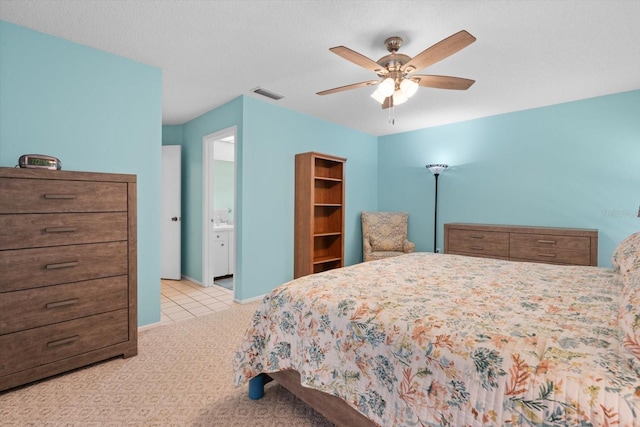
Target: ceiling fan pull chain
392	119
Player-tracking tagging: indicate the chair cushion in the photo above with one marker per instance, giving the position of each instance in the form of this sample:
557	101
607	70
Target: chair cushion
387	243
382	255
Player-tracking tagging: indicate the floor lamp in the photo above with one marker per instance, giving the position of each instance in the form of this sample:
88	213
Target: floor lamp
436	170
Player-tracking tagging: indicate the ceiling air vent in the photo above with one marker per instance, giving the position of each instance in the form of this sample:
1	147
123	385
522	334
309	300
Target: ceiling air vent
268	94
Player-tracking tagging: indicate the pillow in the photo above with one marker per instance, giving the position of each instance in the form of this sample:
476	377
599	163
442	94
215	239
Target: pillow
387	243
629	318
626	256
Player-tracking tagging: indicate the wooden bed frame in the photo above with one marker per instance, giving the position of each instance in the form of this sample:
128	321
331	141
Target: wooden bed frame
331	407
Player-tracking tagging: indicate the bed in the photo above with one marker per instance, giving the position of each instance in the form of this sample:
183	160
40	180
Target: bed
446	340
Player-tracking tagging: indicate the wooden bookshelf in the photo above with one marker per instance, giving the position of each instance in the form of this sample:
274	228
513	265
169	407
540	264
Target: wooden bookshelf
319	213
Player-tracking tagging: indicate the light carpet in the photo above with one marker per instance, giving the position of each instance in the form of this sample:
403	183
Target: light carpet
181	377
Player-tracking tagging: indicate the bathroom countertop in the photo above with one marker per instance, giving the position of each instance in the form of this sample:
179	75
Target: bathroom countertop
223	227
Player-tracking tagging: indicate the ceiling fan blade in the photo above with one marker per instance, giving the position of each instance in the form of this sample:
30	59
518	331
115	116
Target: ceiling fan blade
348	87
443	82
358	59
439	51
388	102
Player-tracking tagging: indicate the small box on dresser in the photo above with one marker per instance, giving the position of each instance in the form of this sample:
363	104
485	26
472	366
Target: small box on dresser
68	271
551	245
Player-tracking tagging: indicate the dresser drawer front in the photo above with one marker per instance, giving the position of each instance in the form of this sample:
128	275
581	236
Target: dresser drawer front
546	241
40	230
550	255
42	196
30	268
34	347
479	255
20	310
484	243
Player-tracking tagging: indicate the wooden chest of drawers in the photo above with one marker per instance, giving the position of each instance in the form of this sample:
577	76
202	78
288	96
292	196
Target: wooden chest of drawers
68	271
553	245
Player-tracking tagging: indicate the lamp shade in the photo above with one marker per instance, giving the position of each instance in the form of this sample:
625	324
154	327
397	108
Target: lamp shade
378	96
399	97
409	87
386	87
437	169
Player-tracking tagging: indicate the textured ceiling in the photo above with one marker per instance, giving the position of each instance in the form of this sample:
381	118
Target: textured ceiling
527	54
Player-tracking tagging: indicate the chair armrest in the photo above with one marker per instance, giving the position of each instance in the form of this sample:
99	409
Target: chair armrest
366	246
366	250
409	247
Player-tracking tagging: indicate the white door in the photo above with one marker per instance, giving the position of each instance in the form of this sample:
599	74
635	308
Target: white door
171	212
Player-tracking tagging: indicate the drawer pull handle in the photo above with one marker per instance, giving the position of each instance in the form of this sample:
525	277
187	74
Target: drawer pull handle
60	229
61	303
547	255
61	265
59	196
548	242
477	248
63	341
476	236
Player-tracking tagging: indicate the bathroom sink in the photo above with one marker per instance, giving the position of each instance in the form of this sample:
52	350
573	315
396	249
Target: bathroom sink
223	225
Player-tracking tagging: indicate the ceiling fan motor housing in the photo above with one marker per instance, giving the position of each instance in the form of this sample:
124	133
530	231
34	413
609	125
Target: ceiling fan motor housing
394	61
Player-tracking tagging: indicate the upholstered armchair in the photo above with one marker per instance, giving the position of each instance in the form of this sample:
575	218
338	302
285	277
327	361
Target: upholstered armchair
384	235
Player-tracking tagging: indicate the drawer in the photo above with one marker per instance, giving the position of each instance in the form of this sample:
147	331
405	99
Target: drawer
479	255
39	230
34	347
550	255
478	242
36	307
31	268
20	195
581	243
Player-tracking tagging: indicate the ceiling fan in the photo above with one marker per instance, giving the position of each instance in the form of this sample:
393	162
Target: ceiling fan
397	83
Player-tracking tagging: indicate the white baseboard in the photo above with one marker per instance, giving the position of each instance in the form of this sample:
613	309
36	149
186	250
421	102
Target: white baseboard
249	300
191	279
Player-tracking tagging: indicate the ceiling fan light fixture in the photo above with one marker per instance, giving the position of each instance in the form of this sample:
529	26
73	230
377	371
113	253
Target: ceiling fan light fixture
378	96
399	97
409	87
386	87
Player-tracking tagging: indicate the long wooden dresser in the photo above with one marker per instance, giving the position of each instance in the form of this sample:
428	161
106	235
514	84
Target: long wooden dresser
68	271
553	245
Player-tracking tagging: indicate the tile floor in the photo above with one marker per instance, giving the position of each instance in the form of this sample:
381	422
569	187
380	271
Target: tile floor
183	299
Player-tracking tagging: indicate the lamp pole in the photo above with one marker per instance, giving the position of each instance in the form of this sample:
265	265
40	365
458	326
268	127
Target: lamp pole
436	170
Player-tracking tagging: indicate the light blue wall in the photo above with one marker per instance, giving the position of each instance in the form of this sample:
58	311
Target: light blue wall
272	137
96	112
267	140
567	165
172	134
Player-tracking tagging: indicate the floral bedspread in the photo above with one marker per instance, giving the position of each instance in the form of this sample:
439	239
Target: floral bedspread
445	340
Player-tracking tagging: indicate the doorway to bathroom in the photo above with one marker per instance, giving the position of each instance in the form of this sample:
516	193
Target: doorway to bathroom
219	189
